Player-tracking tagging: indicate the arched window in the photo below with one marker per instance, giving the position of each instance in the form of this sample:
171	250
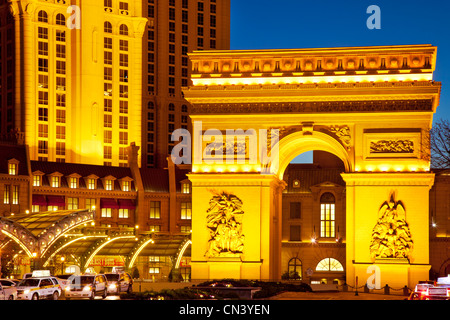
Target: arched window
123	29
150	105
329	264
171	107
42	16
327	215
295	268
107	27
60	19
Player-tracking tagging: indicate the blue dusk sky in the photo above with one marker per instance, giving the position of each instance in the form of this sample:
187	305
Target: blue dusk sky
286	24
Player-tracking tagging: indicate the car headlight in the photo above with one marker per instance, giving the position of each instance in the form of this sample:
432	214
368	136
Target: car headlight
67	288
87	288
27	291
113	286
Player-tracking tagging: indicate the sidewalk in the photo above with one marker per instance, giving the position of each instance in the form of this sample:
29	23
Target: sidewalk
335	296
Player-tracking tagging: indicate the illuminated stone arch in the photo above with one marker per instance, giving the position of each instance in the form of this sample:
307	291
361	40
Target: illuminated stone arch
299	142
183	247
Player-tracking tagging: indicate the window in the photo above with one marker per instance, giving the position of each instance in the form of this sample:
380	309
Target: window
295	210
295	268
91	183
107	152
54	181
60	19
153	270
43	97
42	33
60	132
43	146
295	234
155	210
108	185
60	36
60	67
155	228
73	182
123	122
107	136
329	264
61	116
43	65
42	16
35	208
123	29
327	215
43	48
123	45
106	213
6	194
90	204
107	43
123	213
37	180
72	203
185	188
12	169
60	148
107	27
123	60
186	210
126	186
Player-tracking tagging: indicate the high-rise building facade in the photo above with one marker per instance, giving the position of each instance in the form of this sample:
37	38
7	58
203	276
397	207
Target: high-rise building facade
83	79
78	78
175	28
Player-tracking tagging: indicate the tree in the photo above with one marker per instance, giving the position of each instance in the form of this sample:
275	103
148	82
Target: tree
440	145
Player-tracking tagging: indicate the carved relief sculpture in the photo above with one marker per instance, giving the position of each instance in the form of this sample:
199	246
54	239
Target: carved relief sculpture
343	133
392	146
391	237
224	221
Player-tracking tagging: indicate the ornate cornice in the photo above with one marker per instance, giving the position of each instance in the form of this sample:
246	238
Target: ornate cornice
422	105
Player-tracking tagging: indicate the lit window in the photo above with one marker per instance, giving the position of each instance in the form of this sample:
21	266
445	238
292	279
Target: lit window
37	181
52	208
91	184
329	264
295	268
54	181
109	185
12	169
90	204
153	270
72	203
155	210
6	194
126	186
123	213
35	208
327	215
73	182
186	229
106	213
155	228
186	210
185	188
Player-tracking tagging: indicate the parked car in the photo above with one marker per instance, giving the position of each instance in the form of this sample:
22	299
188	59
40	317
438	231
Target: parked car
8	292
64	280
119	282
9	282
86	286
38	288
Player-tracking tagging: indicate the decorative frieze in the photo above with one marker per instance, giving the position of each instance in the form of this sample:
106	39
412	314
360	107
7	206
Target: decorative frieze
392	146
309	107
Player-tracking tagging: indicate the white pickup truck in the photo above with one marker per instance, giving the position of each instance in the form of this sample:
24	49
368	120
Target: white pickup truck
8	293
